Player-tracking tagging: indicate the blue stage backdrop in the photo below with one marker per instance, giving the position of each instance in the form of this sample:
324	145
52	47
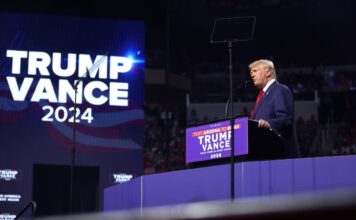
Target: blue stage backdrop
41	58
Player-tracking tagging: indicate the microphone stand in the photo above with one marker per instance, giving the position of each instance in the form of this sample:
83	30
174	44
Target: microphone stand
71	191
240	86
232	119
90	70
224	26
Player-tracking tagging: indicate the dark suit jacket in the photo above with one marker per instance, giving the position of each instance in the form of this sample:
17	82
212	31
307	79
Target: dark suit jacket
277	108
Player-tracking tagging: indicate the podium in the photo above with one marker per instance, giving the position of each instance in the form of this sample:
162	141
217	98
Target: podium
264	144
209	143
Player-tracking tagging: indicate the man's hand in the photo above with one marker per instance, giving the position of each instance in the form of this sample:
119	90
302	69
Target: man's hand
263	124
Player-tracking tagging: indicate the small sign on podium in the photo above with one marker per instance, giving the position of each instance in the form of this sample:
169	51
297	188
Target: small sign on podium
212	141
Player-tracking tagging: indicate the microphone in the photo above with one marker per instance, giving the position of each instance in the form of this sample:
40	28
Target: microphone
227	107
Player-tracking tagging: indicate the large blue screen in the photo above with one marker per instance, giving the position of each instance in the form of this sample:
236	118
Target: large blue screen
42	59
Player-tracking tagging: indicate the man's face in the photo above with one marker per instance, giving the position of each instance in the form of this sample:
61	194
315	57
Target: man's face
259	75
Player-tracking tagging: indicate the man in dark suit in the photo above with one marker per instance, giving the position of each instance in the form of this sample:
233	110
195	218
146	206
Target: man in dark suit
274	107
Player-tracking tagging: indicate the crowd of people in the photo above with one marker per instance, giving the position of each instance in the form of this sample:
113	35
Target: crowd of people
165	128
307	131
345	143
164	148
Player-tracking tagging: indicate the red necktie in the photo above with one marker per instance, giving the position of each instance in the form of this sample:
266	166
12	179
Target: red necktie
260	94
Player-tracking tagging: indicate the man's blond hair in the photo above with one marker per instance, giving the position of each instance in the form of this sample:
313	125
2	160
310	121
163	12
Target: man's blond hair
267	64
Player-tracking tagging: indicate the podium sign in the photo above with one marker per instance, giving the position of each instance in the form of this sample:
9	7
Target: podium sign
212	141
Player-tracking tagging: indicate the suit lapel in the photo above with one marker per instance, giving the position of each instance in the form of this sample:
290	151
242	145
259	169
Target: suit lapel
265	96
